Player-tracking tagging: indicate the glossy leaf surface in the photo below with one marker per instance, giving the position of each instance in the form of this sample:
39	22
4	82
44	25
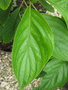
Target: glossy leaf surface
33	46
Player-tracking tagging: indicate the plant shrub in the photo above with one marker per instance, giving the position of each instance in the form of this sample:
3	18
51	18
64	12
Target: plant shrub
40	42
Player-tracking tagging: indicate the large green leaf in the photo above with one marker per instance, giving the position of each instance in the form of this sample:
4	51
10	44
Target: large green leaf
62	6
33	46
60	37
4	4
10	25
56	75
46	5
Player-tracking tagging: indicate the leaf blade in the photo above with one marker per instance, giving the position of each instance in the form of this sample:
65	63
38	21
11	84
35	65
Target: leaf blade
60	37
9	28
4	4
46	5
56	75
58	72
29	49
62	7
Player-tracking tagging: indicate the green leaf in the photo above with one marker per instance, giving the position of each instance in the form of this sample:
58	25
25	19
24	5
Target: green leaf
62	6
56	75
1	29
46	5
60	37
3	15
10	25
4	4
33	1
33	46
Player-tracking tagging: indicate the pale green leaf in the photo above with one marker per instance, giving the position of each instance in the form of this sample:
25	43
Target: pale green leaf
33	46
60	37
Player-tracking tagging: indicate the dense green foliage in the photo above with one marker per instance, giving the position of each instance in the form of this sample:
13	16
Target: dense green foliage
40	42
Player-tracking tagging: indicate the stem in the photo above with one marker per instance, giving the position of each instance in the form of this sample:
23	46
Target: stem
25	3
33	6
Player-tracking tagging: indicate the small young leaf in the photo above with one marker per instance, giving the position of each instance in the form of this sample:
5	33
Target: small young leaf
4	4
60	37
47	5
62	6
33	46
